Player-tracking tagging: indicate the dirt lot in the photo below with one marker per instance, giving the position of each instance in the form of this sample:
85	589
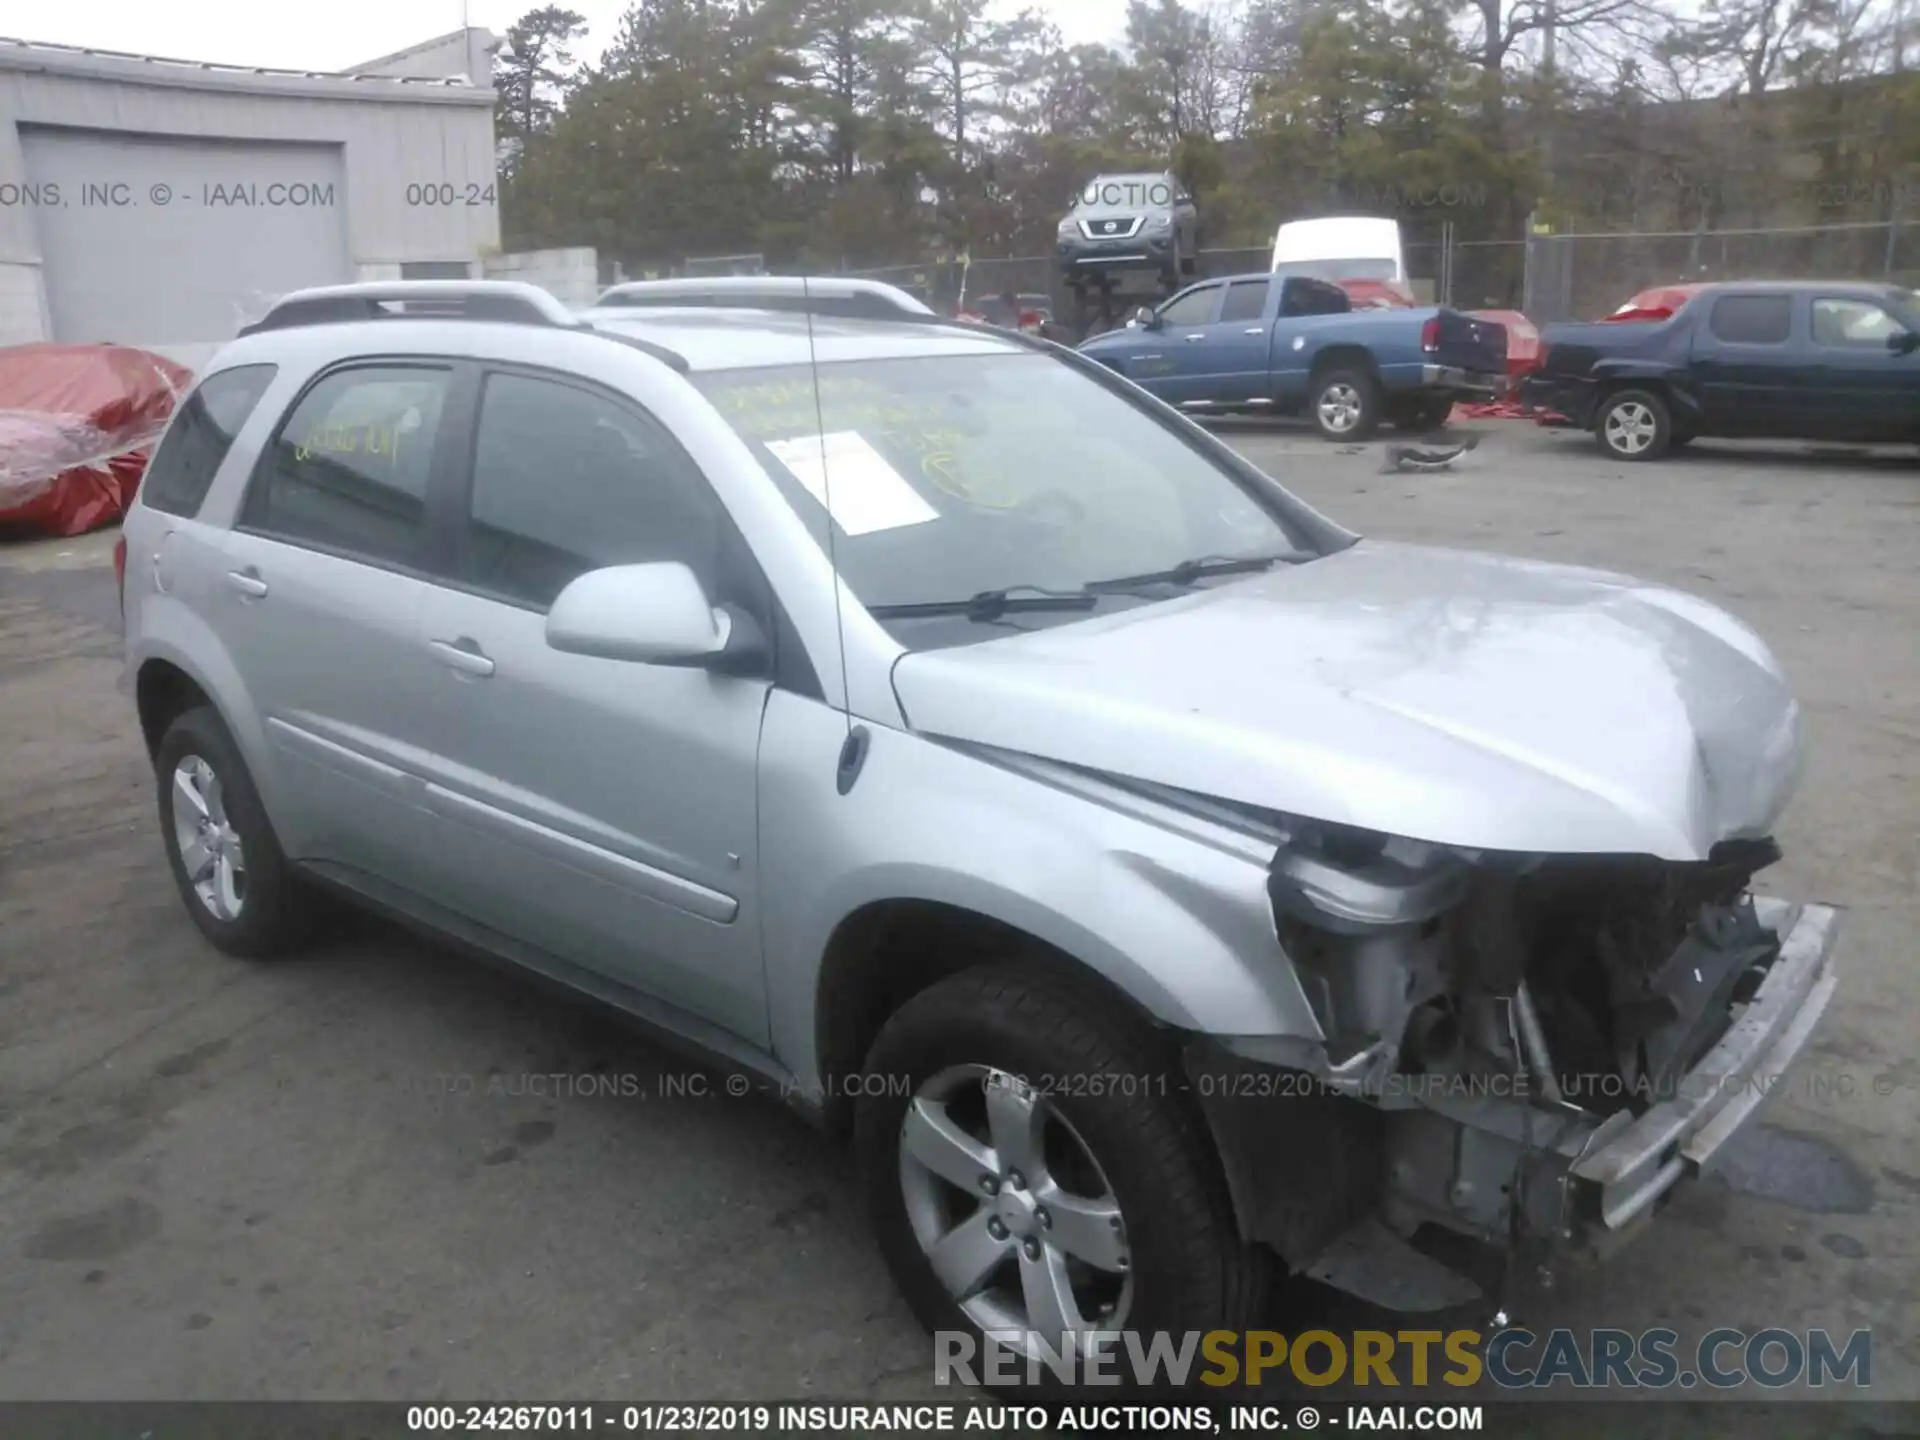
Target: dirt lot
223	1181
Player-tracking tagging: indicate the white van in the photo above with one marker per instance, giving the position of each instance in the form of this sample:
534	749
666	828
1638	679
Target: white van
1340	247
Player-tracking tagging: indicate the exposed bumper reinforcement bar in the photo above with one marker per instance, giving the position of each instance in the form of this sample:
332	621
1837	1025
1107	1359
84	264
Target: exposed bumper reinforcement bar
1627	1167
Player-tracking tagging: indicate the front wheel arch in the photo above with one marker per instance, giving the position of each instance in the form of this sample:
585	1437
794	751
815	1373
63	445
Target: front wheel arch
887	952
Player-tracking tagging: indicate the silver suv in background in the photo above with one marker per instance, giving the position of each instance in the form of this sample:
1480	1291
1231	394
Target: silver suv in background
1135	231
1157	880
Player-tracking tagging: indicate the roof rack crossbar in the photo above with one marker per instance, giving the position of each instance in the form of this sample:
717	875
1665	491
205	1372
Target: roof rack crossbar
513	302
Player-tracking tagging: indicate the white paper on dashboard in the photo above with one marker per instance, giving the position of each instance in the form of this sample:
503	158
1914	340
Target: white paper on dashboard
868	493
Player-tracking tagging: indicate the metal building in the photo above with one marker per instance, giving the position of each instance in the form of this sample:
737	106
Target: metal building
164	203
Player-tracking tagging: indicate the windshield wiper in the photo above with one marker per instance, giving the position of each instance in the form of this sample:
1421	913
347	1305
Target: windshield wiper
990	605
1188	571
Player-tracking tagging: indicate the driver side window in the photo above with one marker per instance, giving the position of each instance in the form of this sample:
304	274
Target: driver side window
1196	307
565	481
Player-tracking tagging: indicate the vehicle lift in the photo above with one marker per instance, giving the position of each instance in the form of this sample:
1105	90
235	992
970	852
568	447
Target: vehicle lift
1103	302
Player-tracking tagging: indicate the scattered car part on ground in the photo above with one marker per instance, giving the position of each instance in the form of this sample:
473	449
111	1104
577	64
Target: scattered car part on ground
76	423
732	672
1294	345
1799	360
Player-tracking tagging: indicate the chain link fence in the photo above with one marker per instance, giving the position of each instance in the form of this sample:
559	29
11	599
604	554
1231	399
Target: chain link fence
1583	277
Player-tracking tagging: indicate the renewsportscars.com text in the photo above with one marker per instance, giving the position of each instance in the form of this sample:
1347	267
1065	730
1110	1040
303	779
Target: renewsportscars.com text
1512	1359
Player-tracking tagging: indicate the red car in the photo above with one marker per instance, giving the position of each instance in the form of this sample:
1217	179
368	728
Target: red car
1028	313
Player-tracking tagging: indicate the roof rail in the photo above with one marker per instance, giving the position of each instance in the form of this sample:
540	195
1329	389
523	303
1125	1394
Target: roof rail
512	301
851	297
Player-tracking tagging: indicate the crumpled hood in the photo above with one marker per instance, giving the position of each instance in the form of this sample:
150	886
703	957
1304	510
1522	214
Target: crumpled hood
1459	698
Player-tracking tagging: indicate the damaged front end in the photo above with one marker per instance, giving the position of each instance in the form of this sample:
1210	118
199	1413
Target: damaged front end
1525	1052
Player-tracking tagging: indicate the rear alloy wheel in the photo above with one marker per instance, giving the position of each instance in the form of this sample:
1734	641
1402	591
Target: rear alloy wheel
1034	1170
1345	404
233	878
1634	425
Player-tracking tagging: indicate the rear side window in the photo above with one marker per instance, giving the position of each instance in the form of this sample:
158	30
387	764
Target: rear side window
1246	300
1752	319
348	470
566	480
183	467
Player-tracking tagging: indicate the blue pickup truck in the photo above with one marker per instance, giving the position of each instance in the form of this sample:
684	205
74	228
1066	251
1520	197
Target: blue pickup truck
1295	345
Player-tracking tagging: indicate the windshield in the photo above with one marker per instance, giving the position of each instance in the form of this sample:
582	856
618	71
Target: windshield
1906	305
953	475
1364	269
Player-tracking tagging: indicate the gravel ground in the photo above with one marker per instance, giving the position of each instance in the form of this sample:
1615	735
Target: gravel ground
224	1181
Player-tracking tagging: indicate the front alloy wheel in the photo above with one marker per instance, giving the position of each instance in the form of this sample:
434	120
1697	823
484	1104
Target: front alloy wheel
1046	1214
1012	1210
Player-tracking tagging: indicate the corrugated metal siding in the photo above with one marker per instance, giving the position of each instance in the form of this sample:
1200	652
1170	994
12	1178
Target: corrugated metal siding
440	139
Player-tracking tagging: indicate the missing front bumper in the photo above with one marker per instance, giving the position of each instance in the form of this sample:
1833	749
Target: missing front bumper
1532	1180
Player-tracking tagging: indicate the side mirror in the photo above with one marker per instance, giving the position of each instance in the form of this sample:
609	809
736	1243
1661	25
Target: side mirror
1145	318
655	614
1903	342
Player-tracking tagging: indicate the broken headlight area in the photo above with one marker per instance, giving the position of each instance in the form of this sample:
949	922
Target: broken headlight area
1591	981
1524	1050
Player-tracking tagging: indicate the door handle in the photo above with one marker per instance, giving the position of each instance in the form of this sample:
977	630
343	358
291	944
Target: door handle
1256	330
465	657
247	582
1191	338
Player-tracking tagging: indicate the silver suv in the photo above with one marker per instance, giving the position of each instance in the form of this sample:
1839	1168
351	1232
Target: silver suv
1129	225
1157	880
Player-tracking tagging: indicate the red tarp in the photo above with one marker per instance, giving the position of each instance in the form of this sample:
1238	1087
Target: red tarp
1655	304
76	422
1377	294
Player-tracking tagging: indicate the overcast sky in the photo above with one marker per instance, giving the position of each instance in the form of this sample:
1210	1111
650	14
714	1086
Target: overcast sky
339	33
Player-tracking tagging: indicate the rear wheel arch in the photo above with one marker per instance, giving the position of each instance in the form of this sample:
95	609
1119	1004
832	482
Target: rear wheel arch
888	951
163	692
1343	357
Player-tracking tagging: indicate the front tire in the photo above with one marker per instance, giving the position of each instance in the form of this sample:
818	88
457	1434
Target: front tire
1634	425
1031	1165
1344	404
232	876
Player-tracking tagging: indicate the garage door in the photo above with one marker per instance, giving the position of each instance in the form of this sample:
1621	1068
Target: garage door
172	243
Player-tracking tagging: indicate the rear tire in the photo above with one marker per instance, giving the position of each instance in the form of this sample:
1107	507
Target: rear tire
1095	1181
1344	403
1634	425
231	873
